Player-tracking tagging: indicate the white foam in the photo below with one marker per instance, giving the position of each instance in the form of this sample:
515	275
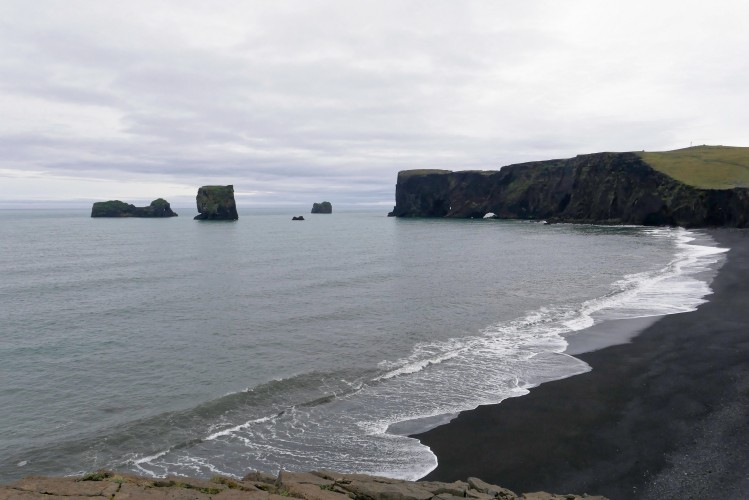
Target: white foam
669	290
410	367
236	428
443	377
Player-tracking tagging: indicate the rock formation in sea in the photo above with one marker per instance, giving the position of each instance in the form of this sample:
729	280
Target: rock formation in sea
298	217
609	188
322	208
216	203
321	485
116	208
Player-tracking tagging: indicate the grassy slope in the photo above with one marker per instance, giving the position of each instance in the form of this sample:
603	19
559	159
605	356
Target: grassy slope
711	167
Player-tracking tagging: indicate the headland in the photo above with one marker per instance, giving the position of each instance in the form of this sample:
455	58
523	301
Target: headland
705	186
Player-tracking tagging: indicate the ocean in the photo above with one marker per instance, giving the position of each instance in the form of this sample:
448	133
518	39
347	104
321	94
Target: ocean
173	346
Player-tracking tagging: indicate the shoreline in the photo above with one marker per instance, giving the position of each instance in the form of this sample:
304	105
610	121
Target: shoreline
662	416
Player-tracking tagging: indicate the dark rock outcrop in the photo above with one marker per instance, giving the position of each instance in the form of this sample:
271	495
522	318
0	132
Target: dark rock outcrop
116	208
298	217
216	203
608	188
323	485
322	208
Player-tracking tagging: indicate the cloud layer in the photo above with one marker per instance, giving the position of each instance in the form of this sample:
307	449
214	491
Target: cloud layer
297	101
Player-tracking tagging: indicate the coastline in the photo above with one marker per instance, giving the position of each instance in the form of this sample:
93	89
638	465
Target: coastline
662	416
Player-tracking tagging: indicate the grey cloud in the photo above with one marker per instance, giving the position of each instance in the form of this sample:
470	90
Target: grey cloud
299	96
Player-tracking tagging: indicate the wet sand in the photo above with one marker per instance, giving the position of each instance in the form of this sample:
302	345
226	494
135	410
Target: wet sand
665	415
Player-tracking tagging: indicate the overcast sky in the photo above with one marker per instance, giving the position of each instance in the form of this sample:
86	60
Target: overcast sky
302	101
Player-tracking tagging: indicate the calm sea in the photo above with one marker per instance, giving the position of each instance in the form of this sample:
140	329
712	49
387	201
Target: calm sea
172	346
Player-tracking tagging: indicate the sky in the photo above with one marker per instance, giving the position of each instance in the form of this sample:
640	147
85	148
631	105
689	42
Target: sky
294	102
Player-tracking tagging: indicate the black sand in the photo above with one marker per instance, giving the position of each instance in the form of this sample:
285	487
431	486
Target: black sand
666	416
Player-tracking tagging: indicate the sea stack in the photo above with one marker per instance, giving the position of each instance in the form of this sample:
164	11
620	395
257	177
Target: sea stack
216	203
322	208
116	208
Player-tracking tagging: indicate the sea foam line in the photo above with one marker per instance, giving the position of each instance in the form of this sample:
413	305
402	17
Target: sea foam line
670	290
446	377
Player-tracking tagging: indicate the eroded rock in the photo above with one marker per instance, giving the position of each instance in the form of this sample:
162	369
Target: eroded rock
322	208
216	203
116	208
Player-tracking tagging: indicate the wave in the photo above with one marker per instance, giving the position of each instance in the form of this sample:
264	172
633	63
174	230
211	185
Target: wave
670	290
341	420
348	431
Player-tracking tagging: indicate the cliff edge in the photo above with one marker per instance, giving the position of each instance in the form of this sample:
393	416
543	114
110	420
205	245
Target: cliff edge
321	485
690	188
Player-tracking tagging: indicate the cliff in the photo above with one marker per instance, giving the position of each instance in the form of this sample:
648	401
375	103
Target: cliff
322	208
609	188
322	485
116	208
216	203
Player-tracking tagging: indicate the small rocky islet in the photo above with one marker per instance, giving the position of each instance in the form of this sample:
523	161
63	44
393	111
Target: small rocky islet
322	208
213	203
116	208
216	203
317	485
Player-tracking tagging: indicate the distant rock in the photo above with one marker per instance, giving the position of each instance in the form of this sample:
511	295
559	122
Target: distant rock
116	208
298	218
216	203
322	208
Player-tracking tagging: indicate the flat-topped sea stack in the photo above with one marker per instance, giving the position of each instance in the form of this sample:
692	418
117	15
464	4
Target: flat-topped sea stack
216	203
705	186
116	208
322	208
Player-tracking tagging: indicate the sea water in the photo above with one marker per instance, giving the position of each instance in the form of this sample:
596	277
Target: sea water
172	346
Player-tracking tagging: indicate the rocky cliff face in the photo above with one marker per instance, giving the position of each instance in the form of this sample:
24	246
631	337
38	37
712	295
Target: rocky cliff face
116	208
322	208
216	203
610	188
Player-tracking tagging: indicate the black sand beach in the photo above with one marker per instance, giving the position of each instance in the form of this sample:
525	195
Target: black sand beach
665	416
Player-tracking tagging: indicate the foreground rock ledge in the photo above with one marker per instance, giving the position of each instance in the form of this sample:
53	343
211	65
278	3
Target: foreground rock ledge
318	485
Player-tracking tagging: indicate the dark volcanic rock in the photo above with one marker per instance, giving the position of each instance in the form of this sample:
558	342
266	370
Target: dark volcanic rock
116	208
297	218
216	203
322	208
609	188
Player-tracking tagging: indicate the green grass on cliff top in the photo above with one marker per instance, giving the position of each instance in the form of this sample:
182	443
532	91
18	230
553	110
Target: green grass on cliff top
422	171
709	167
